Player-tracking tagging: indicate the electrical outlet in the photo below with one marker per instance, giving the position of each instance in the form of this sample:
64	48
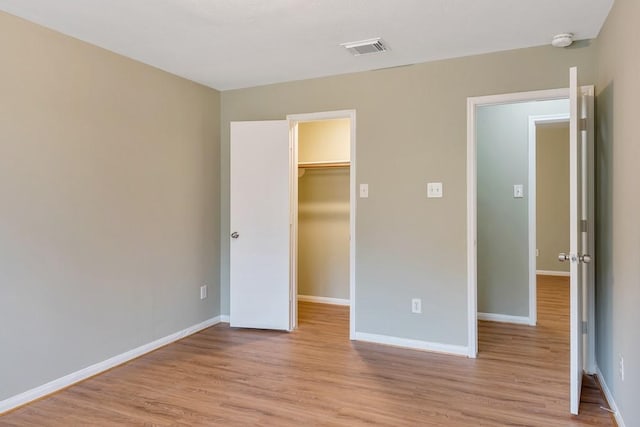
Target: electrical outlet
203	291
621	366
416	305
537	252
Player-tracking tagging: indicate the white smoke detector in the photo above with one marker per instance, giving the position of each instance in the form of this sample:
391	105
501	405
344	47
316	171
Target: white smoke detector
562	40
365	47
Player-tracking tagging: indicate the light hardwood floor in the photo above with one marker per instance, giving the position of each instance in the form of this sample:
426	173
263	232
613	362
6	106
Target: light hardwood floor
316	376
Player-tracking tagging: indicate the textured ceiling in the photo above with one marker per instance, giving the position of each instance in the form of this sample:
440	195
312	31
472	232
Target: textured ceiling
227	44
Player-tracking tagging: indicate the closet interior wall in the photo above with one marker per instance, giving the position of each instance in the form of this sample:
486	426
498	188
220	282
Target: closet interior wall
323	209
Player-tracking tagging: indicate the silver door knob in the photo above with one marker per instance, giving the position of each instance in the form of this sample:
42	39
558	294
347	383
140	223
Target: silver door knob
585	258
562	257
235	235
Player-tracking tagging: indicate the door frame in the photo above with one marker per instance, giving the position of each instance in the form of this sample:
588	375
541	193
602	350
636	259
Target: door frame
587	93
294	120
589	301
534	121
472	282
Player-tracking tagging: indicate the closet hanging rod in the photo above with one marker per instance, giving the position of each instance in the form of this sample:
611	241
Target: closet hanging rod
331	164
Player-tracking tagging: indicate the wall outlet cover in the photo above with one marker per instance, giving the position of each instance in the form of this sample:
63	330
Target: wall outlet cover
621	366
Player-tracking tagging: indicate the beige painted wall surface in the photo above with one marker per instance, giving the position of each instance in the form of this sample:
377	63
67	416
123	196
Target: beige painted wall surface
618	230
552	203
323	233
411	129
324	140
109	189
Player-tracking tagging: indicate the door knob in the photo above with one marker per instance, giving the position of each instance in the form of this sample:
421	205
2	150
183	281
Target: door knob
562	257
235	235
585	258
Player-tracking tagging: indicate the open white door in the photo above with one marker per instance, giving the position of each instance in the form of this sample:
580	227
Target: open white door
260	225
579	239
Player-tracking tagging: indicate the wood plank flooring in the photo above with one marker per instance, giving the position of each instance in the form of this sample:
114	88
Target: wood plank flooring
316	376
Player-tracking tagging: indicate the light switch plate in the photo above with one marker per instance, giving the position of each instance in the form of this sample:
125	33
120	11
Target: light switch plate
518	191
434	190
364	191
416	305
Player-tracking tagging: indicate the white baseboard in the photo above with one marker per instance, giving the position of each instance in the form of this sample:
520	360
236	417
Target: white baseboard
553	273
323	300
609	397
458	350
224	318
505	318
74	377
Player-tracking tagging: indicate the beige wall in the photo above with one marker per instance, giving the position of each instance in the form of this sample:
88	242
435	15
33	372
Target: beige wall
618	229
552	202
109	190
324	140
411	129
323	233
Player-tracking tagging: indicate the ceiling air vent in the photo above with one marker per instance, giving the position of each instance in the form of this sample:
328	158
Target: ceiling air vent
365	47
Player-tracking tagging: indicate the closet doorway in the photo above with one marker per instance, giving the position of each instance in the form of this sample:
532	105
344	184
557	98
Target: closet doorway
323	206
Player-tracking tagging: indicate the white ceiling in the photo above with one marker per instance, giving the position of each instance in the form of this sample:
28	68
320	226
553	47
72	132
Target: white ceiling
227	44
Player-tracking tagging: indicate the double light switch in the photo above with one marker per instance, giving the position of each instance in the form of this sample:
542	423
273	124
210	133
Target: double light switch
434	190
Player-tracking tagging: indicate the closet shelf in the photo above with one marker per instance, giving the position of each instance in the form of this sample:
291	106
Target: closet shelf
331	164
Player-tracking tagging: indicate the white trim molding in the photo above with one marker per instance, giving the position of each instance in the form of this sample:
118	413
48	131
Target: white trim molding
457	350
506	318
97	368
553	273
224	318
472	233
323	300
609	397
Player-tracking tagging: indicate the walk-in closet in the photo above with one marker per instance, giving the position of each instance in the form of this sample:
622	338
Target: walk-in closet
323	211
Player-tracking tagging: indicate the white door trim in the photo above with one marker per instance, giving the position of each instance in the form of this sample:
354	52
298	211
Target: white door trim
590	365
533	161
472	103
472	232
294	119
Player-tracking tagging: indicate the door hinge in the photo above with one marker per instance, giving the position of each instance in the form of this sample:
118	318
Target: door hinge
585	327
583	124
583	225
